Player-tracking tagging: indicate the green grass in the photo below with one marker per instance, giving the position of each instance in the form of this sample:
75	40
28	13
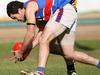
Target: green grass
56	64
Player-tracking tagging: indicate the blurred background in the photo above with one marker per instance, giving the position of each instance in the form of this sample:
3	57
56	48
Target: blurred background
87	40
88	18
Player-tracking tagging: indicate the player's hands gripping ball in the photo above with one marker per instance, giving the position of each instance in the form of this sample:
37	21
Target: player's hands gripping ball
17	47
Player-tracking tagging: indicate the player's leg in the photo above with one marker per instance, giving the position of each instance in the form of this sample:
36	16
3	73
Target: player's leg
68	48
44	51
48	34
69	62
57	50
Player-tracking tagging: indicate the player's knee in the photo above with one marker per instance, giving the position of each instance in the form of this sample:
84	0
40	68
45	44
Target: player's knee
43	40
70	56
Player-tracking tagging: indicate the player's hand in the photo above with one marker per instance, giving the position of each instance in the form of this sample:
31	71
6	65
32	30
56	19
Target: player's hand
18	56
18	53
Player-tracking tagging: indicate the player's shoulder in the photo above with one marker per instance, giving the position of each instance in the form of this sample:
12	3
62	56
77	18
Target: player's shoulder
30	3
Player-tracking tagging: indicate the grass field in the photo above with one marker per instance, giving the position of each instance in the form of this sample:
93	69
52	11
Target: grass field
56	64
88	40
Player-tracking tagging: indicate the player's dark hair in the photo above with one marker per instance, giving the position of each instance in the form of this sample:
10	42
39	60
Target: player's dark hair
12	7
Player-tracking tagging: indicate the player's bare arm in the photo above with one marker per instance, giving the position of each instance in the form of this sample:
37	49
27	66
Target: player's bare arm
31	22
36	39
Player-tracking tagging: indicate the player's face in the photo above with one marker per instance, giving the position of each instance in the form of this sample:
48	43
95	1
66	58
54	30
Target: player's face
20	16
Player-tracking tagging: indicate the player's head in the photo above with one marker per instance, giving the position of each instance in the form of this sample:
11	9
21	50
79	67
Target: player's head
16	11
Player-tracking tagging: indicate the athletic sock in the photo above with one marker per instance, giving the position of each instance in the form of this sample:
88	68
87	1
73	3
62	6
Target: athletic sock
40	69
70	68
98	65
